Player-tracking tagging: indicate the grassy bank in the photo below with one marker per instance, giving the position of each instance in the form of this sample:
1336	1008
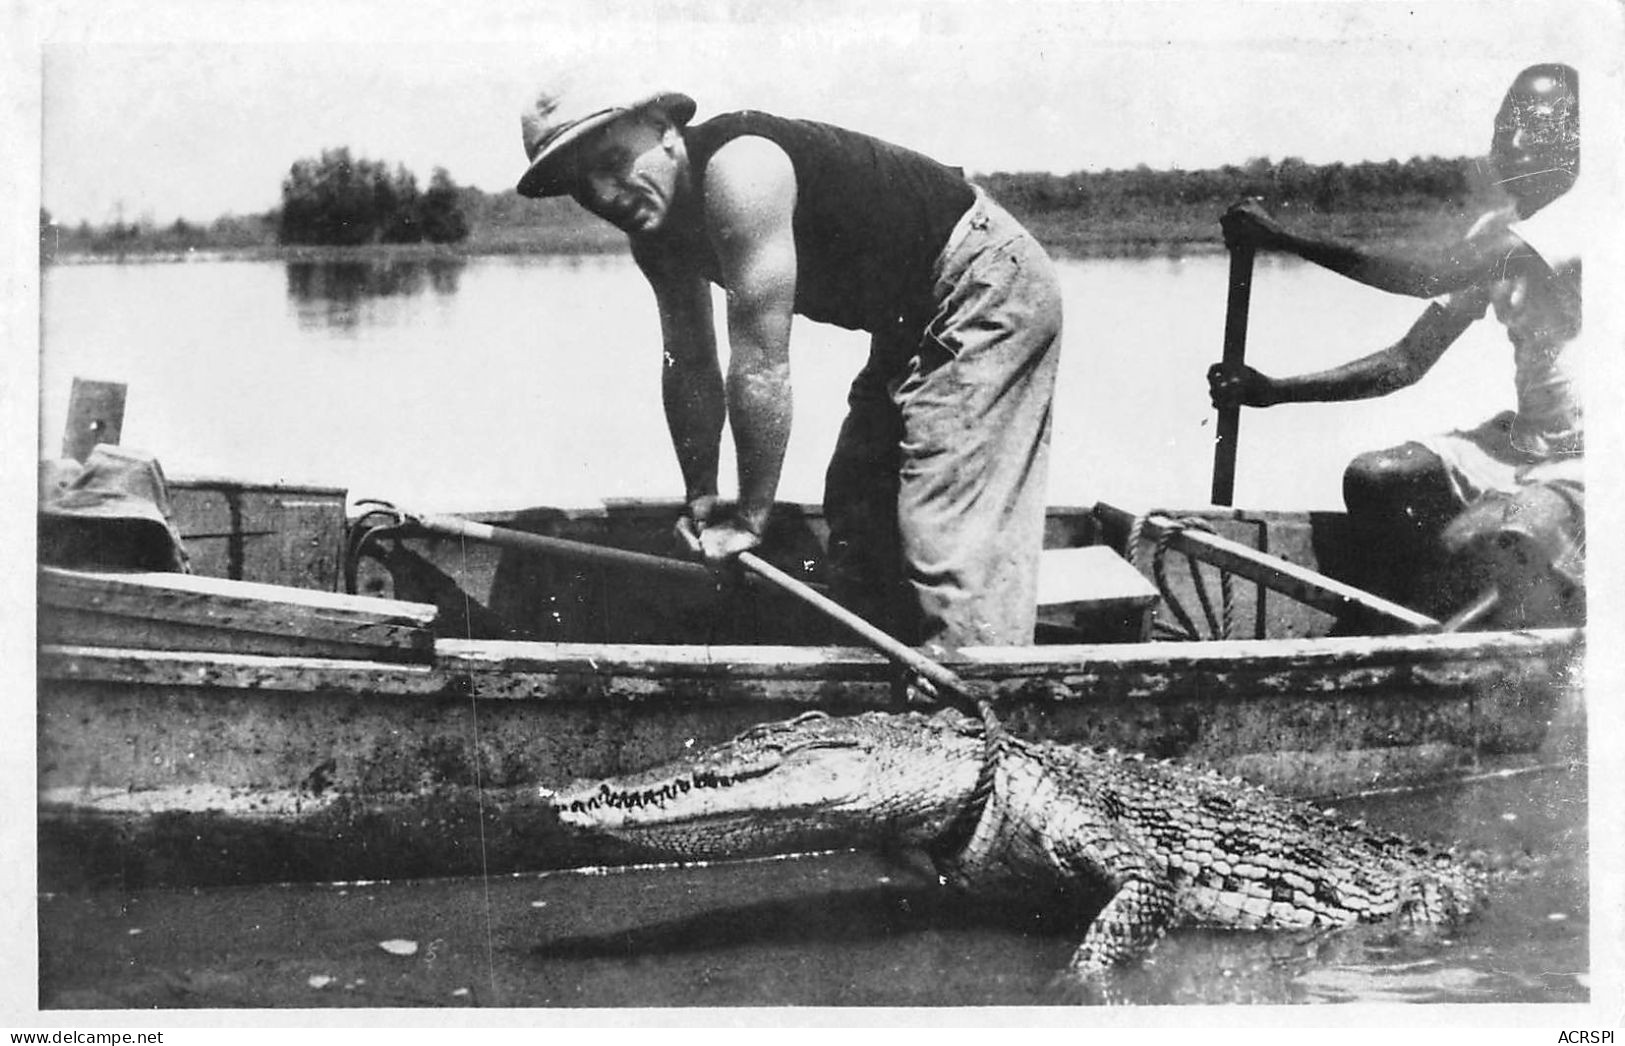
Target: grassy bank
1173	231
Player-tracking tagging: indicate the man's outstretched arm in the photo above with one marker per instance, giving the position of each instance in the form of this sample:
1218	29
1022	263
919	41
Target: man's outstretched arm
1387	370
1472	261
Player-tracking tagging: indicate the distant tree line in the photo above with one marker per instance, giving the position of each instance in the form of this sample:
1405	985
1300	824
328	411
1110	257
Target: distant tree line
337	200
1322	187
229	232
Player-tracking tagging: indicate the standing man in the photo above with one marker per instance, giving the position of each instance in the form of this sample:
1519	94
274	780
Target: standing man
935	496
1507	495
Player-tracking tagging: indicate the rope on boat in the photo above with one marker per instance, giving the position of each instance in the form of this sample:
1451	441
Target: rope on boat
363	536
1220	625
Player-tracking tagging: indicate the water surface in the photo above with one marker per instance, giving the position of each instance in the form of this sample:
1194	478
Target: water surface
513	382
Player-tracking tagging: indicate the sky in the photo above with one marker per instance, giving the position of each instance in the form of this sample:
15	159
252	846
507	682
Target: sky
178	108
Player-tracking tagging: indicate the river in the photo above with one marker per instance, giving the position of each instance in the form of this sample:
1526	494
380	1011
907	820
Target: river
512	382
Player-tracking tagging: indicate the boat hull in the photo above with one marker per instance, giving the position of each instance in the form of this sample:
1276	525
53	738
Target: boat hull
401	746
192	767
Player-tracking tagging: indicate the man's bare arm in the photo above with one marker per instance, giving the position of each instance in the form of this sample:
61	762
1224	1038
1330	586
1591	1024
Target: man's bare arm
1387	370
1471	261
691	378
750	195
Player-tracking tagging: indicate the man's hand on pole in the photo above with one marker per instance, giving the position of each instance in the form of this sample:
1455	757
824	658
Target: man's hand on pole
1248	224
1238	385
716	537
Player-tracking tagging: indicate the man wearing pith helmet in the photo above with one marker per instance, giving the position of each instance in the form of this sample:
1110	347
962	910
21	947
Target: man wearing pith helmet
936	491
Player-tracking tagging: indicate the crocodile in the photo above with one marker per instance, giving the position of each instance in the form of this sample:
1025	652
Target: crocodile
1165	843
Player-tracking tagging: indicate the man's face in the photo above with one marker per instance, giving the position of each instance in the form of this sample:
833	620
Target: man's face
1536	148
627	173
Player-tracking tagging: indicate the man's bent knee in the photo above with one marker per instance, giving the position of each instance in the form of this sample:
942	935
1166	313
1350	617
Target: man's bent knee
1408	479
1406	464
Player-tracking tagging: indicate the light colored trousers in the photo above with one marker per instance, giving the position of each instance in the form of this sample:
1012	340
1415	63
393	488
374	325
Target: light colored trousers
935	495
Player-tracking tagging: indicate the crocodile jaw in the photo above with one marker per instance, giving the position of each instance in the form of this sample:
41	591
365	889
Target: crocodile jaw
694	809
809	783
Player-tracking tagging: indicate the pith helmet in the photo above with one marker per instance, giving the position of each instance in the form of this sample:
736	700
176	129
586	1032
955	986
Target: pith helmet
566	111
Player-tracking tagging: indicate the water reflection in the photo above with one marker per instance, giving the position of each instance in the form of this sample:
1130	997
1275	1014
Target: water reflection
344	294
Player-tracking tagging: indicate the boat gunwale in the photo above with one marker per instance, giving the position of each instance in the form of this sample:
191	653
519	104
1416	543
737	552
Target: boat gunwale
497	668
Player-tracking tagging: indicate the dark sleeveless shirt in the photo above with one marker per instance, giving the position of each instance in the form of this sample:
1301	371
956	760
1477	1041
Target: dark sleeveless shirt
870	218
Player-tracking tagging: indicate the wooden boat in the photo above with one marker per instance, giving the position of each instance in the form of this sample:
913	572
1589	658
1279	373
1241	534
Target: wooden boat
330	697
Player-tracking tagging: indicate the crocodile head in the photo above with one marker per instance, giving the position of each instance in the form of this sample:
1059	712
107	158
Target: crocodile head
812	782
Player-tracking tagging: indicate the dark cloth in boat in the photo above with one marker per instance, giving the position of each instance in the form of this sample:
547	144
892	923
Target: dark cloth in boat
112	511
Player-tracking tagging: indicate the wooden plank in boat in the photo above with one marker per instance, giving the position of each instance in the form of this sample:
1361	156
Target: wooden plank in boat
1306	586
158	611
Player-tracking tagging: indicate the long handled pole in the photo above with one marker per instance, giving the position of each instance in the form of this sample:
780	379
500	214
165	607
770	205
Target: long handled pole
1235	352
932	671
563	548
899	652
995	735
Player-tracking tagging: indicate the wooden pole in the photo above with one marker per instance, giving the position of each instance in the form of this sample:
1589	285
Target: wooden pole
1235	352
935	673
562	548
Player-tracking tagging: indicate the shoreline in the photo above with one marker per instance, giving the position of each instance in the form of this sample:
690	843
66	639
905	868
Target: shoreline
1067	235
1128	249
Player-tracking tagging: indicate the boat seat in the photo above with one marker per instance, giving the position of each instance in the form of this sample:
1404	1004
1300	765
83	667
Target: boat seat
1092	595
